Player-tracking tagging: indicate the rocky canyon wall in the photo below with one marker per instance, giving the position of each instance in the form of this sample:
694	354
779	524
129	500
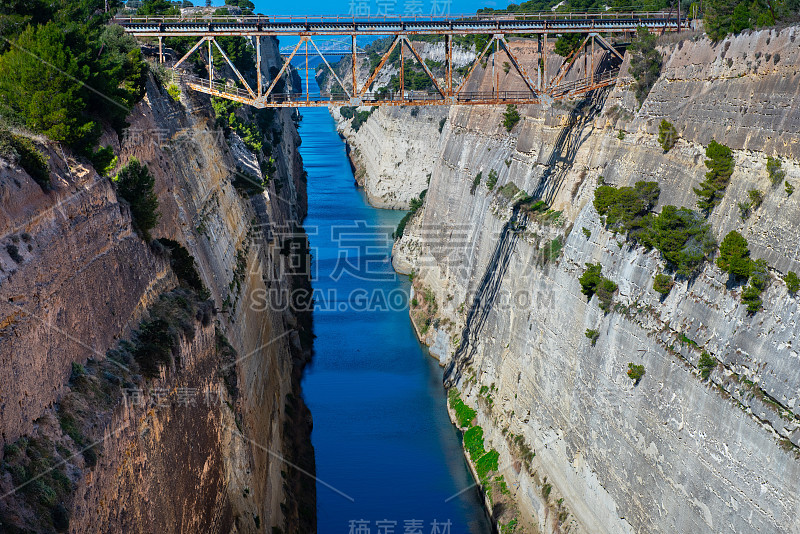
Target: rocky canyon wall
219	439
581	446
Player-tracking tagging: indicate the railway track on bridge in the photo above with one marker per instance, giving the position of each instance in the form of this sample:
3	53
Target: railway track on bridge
402	30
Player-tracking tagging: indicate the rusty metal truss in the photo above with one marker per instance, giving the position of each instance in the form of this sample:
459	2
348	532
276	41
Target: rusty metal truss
543	86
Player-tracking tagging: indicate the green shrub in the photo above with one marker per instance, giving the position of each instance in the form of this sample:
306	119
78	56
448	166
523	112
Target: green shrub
682	237
789	188
722	17
635	372
136	185
247	184
734	256
510	117
592	282
473	442
60	518
486	464
104	160
646	62
415	204
183	264
475	183
68	70
759	277
706	364
792	282
509	190
547	488
172	317
491	181
360	118
593	335
626	209
174	92
587	232
464	414
621	135
774	170
552	250
567	43
24	152
663	283
720	165
667	135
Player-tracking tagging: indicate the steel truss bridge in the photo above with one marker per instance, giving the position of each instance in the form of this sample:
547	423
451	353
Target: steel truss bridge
545	86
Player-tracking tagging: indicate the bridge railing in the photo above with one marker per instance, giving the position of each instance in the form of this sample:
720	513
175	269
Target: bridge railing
262	19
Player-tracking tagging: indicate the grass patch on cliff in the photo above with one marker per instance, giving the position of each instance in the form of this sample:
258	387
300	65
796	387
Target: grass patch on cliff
415	204
171	317
39	473
464	414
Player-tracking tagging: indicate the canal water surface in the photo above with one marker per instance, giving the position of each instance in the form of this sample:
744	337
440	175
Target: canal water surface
388	459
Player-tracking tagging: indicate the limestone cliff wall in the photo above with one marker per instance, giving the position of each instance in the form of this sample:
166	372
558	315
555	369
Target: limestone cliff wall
581	447
391	142
215	442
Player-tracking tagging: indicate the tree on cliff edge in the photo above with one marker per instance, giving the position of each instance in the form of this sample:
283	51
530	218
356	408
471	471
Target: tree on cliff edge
135	184
646	62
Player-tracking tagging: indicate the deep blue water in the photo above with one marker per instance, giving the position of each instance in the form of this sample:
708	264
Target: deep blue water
381	432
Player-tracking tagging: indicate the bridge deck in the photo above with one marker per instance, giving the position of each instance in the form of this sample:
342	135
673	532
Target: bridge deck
472	24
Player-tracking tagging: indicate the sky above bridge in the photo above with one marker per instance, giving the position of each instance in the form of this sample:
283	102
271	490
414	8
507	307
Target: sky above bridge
371	7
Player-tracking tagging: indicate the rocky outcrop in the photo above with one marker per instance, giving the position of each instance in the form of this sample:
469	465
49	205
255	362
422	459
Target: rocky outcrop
220	439
390	140
582	447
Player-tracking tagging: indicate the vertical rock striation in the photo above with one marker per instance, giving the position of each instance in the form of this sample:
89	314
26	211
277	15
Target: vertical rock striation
582	447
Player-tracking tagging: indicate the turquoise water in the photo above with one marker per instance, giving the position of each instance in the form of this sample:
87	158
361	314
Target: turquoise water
385	448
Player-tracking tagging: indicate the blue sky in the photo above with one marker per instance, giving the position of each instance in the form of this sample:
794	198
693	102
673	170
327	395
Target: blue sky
374	7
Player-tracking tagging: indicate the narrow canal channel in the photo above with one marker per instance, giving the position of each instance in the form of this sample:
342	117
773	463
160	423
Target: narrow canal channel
385	448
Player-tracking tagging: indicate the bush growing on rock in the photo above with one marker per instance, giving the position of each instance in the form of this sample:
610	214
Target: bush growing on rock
734	256
706	364
759	278
775	170
663	283
475	183
635	372
23	151
135	184
720	165
626	208
792	282
667	135
464	414
789	188
511	117
593	282
491	181
593	335
646	62
682	237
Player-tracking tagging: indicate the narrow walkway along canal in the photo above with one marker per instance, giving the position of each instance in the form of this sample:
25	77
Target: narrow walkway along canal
385	448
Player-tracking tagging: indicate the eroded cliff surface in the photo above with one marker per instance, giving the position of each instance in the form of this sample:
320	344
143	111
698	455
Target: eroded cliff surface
580	445
218	440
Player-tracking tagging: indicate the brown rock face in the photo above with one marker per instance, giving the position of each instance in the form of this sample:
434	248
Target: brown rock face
211	447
